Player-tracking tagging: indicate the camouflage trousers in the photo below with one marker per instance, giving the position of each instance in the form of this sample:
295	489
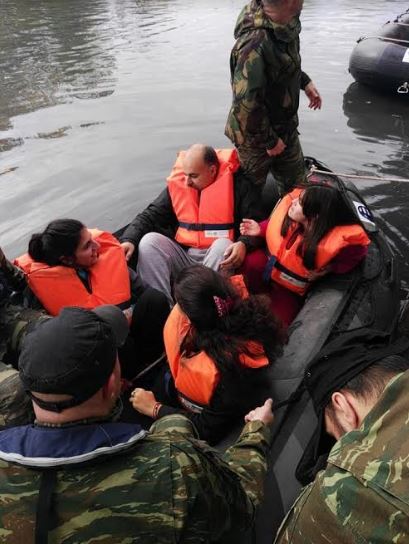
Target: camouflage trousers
15	405
288	168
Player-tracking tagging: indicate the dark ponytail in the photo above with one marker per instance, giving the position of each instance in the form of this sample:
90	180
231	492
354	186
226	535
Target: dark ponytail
224	325
35	247
59	239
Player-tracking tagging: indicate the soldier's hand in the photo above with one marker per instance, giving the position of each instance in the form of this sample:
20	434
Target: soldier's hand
277	149
129	249
143	401
261	413
249	227
314	96
234	256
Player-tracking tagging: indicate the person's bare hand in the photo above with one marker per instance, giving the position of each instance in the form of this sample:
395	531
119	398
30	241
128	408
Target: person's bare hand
249	227
129	249
316	274
234	256
314	96
277	149
143	401
261	413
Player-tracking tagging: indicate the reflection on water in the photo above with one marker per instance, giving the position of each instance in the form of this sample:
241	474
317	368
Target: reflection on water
59	50
383	124
379	120
97	97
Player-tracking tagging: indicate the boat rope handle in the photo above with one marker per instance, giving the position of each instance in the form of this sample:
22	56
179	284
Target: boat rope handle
315	170
393	40
404	88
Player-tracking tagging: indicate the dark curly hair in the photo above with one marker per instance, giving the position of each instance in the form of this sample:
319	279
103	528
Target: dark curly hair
246	324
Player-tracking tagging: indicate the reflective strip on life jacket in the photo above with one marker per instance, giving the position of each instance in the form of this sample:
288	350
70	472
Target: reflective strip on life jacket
59	286
207	215
189	405
287	267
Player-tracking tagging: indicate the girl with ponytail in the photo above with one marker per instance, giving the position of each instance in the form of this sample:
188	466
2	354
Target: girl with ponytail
70	265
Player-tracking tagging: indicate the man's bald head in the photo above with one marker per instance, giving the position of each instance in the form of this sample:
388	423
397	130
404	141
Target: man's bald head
201	166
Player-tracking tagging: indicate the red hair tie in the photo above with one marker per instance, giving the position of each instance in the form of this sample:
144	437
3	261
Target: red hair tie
223	306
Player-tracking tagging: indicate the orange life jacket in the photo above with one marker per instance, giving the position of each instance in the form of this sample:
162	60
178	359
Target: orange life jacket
288	268
196	377
59	286
204	216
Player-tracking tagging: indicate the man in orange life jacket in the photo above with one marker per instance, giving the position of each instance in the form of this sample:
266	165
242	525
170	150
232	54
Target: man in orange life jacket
196	219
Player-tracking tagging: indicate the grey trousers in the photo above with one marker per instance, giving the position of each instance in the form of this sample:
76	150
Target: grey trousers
160	260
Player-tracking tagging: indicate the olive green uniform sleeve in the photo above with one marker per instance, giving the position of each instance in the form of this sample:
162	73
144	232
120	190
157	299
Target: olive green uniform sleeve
226	488
14	276
249	115
311	522
248	458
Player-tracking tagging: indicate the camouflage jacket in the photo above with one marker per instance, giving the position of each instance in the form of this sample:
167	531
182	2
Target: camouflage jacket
15	406
11	279
266	77
164	487
363	494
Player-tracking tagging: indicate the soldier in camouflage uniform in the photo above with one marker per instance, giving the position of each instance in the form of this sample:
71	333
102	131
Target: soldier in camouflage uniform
15	406
266	78
78	476
362	494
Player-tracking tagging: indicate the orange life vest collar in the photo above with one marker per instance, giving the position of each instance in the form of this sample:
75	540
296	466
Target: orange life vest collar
206	216
287	267
59	286
196	377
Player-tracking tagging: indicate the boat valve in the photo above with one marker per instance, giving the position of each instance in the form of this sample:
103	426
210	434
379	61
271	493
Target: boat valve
404	88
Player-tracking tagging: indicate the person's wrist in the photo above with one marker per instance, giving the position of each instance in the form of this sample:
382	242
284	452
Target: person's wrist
155	411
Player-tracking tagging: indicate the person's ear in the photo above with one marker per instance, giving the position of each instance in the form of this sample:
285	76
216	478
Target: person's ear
67	261
213	171
345	409
109	390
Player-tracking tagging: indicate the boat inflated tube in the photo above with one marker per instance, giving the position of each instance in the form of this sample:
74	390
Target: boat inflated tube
382	60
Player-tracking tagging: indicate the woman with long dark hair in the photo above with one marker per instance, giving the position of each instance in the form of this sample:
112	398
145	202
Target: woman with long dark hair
311	232
70	265
220	344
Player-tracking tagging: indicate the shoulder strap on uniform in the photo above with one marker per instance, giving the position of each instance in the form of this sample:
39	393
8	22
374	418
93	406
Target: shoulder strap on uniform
45	506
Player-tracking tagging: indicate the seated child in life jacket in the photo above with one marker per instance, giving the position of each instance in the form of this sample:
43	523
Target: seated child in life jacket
312	231
220	348
70	265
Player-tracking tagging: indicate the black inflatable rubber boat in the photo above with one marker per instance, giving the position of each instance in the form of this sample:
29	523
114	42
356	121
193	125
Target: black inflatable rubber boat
382	60
366	297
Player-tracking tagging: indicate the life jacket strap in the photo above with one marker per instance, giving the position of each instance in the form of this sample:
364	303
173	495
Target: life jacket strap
206	226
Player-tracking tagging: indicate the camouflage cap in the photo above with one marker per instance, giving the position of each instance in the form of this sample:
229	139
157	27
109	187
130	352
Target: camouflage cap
72	354
335	365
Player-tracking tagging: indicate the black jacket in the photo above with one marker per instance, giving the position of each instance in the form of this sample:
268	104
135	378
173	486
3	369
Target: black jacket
160	217
235	395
